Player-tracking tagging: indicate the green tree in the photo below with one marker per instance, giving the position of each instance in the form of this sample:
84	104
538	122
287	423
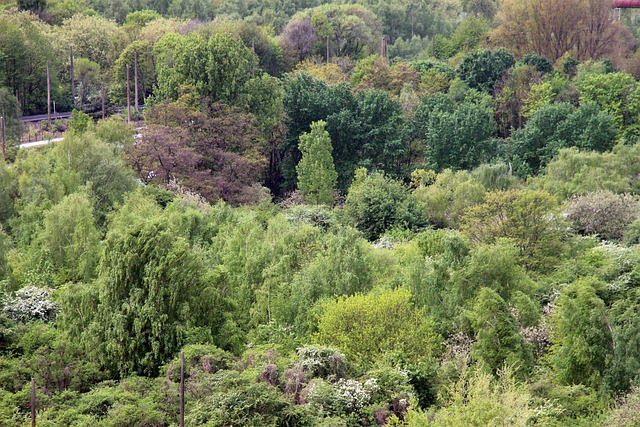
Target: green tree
87	79
59	10
79	122
498	342
455	136
478	399
307	100
579	172
346	266
381	139
25	51
486	8
71	239
366	326
147	78
8	191
263	97
168	80
489	266
581	335
140	18
5	245
153	290
218	67
10	110
316	173
83	160
541	64
530	218
449	196
426	266
91	37
624	365
376	203
259	39
483	69
555	126
466	37
612	92
352	29
32	5
191	9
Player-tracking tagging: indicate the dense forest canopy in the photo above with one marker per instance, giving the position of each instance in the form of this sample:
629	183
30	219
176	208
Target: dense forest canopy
404	213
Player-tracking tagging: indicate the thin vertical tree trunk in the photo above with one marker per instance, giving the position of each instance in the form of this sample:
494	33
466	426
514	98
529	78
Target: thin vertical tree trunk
48	95
73	81
128	96
135	79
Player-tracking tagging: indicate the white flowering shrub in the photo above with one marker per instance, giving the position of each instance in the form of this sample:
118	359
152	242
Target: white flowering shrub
392	384
323	362
343	397
356	395
31	303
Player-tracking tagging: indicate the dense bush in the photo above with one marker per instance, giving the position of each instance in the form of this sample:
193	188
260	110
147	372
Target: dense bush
366	326
376	203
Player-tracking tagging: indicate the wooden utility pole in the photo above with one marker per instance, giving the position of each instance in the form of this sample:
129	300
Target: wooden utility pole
33	402
102	99
383	47
4	156
73	80
182	389
135	79
48	95
327	49
128	96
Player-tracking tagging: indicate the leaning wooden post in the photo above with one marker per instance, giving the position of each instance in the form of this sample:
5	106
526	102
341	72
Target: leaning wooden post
33	402
182	389
128	96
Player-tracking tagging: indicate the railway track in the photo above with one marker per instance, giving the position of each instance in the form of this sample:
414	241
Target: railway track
44	117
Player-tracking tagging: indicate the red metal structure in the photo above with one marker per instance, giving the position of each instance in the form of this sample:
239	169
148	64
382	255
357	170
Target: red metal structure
626	4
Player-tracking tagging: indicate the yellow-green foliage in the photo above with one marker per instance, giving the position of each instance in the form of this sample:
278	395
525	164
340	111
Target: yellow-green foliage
539	95
530	218
579	172
479	400
367	326
449	196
